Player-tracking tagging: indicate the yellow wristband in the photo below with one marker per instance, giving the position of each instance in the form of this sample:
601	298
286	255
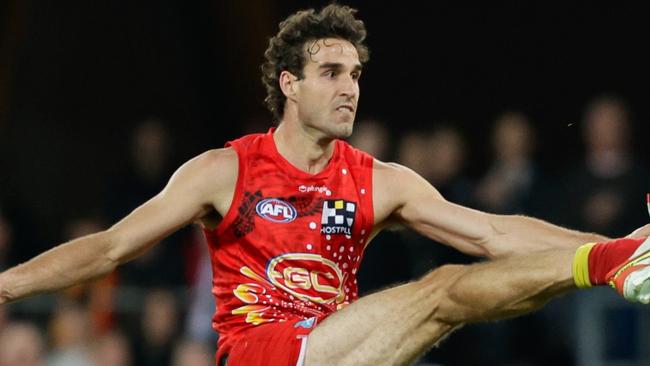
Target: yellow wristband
581	266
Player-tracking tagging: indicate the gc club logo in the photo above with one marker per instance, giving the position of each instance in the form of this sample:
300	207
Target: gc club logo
307	277
276	210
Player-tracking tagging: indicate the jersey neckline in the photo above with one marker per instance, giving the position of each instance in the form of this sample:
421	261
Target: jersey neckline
295	171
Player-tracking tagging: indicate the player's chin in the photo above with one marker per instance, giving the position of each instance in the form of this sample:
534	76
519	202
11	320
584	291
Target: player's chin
344	126
343	129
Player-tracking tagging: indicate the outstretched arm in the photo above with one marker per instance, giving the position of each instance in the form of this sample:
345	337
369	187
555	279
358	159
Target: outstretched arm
193	191
403	196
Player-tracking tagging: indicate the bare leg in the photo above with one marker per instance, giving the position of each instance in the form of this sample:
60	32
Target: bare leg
395	326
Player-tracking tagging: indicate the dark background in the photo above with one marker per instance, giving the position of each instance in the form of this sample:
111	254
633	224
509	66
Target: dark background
76	76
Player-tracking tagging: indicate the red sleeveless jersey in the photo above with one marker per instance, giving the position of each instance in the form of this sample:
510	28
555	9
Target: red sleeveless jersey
291	243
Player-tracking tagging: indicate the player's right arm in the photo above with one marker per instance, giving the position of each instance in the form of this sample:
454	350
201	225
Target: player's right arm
196	189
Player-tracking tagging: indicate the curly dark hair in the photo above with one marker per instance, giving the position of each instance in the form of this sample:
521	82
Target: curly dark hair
286	49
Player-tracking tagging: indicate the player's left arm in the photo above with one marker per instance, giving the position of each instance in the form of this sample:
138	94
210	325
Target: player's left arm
401	195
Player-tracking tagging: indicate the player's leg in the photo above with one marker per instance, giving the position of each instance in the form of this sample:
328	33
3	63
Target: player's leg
395	326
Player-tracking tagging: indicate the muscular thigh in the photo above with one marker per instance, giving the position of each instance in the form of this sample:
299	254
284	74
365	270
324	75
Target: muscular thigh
390	327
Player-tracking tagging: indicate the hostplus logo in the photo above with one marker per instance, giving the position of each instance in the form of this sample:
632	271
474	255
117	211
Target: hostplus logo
338	217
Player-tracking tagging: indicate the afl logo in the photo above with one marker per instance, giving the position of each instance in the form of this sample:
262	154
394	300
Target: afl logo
275	210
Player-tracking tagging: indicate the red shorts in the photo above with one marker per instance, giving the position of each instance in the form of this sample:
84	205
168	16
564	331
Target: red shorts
272	344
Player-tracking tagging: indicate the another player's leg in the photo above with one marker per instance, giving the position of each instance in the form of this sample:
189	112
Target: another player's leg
395	326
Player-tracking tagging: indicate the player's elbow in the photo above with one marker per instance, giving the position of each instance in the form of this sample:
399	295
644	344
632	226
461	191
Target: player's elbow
495	241
122	247
6	296
113	254
7	292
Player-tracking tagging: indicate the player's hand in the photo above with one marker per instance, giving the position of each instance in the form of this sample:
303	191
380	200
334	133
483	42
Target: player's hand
643	231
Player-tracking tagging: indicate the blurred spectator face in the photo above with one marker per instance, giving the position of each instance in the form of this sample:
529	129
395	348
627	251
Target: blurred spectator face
68	327
112	349
445	155
606	126
512	137
21	344
160	317
413	152
192	354
149	148
438	157
372	137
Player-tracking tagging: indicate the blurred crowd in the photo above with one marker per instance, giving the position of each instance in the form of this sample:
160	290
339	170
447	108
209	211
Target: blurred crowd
157	309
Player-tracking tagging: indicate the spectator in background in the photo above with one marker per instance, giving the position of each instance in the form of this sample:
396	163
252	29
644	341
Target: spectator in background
371	136
112	349
439	156
192	353
147	173
160	320
69	333
21	344
198	325
98	296
383	265
446	151
507	187
412	152
607	189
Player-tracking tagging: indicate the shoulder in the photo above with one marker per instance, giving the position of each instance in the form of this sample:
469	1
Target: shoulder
402	183
394	186
216	160
391	178
388	172
210	170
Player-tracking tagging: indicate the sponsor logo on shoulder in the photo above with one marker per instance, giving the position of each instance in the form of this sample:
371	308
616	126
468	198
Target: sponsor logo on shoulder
275	210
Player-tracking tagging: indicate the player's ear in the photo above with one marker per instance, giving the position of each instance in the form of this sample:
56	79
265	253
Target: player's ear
288	84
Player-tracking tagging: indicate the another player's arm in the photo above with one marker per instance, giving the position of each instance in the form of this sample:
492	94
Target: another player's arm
191	193
401	195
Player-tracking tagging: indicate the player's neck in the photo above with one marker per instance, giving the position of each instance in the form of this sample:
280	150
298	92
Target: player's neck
303	148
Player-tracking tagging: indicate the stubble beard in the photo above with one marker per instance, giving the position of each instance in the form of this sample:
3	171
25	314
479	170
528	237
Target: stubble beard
341	130
333	129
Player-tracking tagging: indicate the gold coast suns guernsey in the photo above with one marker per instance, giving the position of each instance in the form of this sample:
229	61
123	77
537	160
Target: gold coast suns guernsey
291	243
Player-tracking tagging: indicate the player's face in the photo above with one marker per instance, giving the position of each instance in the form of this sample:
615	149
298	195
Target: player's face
328	94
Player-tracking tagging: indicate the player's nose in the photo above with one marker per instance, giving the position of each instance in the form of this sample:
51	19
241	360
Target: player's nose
349	87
